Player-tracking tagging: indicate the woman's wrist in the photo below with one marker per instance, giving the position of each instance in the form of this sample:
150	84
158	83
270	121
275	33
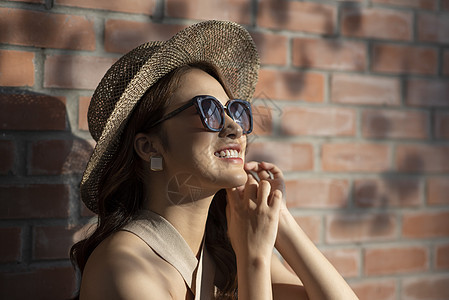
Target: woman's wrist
286	221
255	263
254	277
254	258
289	231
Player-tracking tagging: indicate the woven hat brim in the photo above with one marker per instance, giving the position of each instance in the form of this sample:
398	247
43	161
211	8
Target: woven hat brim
226	45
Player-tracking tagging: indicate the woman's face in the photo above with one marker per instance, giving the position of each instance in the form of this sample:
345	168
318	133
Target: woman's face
192	149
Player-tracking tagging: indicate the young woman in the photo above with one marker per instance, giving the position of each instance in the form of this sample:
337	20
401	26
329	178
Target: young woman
181	215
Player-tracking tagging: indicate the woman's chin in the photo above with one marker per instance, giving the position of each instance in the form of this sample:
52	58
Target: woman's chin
237	179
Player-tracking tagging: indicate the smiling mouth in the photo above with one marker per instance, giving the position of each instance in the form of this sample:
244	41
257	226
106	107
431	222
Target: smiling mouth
227	153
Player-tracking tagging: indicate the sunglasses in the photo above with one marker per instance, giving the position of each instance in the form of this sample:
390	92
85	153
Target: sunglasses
212	116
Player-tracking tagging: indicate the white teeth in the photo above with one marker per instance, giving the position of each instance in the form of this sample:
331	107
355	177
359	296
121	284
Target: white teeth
228	153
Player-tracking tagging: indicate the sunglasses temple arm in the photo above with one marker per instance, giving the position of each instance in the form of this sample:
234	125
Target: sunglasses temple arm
173	113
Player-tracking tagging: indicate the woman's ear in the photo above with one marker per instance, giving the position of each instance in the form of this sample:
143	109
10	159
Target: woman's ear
145	146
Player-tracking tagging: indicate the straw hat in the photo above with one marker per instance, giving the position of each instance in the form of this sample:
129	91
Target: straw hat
226	45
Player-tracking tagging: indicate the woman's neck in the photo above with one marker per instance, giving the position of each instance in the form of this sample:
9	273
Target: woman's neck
187	213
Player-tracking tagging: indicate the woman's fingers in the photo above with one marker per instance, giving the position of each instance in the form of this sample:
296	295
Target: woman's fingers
275	200
256	194
263	193
264	170
273	169
250	192
268	171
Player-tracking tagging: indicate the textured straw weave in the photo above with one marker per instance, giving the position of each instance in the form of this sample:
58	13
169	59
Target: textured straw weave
226	45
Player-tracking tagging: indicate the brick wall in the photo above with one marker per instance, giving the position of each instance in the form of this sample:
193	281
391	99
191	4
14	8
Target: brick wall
352	103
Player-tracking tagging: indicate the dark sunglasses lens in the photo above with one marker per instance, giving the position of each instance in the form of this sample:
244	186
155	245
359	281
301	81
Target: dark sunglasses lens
212	113
241	115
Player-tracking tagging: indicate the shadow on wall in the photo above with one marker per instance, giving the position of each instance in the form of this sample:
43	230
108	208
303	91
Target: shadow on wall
60	153
37	190
373	196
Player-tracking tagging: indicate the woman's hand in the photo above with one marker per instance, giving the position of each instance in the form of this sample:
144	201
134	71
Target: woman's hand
271	173
253	215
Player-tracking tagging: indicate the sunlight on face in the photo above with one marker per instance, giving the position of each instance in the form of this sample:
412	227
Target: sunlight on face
194	149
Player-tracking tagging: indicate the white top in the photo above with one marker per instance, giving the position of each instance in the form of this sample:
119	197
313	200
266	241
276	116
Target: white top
167	242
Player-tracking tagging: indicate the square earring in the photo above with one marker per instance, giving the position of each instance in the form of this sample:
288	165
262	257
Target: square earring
156	163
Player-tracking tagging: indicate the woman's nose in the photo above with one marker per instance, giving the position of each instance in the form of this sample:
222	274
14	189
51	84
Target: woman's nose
231	128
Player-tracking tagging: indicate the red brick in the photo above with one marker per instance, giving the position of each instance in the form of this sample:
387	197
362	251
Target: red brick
375	290
32	112
34	201
318	121
388	58
387	192
83	107
121	35
317	193
359	227
7	153
75	72
422	158
346	261
53	157
46	30
429	287
425	225
329	54
394	260
427	92
377	23
16	68
10	250
234	10
296	16
311	226
437	190
446	63
382	123
145	7
272	48
355	157
433	28
288	156
53	242
442	256
288	85
420	4
441	125
362	89
51	283
262	119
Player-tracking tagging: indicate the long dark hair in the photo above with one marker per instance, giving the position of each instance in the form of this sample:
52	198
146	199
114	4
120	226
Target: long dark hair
121	191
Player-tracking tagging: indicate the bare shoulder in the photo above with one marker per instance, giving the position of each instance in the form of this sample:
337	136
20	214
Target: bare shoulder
124	267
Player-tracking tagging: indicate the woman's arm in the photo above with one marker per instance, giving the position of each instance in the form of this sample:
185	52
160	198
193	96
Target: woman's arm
321	280
253	216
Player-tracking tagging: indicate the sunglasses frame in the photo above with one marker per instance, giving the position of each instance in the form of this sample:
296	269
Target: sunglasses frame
196	101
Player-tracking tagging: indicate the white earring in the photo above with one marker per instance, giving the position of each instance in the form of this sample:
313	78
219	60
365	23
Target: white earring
156	163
